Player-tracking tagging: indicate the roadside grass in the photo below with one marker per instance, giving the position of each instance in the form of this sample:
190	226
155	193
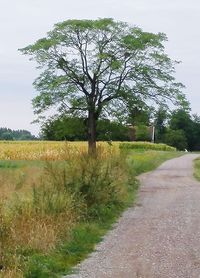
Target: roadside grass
144	161
53	214
197	168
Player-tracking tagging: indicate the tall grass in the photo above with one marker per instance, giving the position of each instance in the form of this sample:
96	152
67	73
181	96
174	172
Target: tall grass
50	222
67	193
197	168
144	161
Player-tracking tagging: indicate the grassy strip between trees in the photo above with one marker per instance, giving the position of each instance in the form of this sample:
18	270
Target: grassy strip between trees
48	226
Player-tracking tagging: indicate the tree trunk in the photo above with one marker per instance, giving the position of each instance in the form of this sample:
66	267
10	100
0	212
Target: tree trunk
92	132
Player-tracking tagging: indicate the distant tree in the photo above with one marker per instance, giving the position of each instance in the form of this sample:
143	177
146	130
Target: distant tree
176	138
73	129
22	134
160	120
142	133
9	134
112	131
181	120
138	113
196	132
64	128
93	67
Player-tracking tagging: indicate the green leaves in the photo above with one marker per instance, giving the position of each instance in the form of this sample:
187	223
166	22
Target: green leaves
94	64
81	25
139	40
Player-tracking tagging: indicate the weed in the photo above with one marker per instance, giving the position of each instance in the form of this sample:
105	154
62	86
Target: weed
53	214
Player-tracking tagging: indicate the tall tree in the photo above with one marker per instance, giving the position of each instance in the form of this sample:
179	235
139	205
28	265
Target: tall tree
161	117
182	120
92	66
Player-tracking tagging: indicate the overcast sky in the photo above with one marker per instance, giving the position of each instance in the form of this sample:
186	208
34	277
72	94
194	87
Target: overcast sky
22	22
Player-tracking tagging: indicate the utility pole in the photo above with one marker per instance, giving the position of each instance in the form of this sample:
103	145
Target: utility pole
153	134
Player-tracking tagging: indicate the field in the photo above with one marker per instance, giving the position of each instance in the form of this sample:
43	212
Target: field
40	150
49	150
56	202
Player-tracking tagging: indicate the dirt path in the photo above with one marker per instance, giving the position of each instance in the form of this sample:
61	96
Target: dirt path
160	237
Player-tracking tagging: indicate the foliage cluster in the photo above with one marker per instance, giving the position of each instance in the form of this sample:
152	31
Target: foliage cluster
142	133
75	129
179	129
9	134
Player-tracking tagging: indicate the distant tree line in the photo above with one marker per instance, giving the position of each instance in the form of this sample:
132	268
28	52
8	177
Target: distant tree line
21	134
74	129
177	128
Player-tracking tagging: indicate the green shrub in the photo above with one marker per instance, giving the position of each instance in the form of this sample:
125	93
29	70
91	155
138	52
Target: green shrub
98	183
145	146
142	133
176	138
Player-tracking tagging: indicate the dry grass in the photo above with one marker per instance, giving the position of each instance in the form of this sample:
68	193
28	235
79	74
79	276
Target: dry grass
46	150
40	233
50	150
33	215
11	273
41	202
18	180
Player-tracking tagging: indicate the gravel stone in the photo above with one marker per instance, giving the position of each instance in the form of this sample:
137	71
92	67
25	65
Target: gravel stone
160	236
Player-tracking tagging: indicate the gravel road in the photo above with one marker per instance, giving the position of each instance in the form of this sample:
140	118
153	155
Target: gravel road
160	236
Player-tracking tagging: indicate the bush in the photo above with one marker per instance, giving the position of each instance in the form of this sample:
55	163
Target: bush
176	138
145	146
142	133
97	182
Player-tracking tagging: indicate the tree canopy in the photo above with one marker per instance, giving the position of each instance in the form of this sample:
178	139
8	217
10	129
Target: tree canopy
9	134
73	129
98	67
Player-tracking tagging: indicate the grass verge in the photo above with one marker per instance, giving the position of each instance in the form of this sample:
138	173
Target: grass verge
197	168
49	229
145	161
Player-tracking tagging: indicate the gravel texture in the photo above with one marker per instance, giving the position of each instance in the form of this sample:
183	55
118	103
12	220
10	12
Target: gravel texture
160	236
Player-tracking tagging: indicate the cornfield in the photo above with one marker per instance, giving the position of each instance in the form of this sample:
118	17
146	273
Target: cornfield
50	150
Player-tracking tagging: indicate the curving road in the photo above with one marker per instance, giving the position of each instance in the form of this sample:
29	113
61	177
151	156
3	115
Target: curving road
160	236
